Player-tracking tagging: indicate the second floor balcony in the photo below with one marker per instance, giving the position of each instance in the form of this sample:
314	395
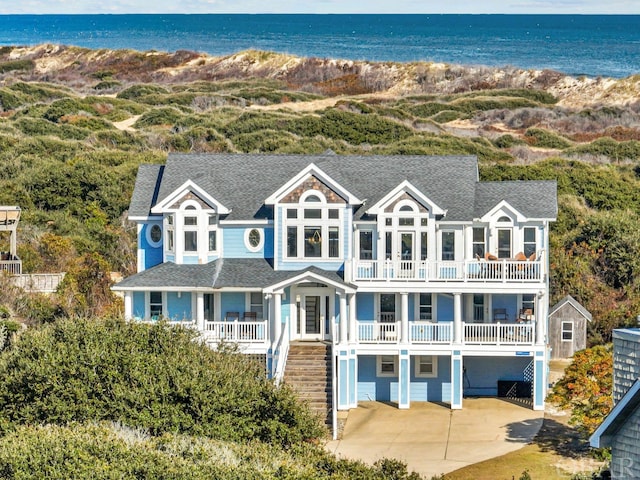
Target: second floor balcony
480	271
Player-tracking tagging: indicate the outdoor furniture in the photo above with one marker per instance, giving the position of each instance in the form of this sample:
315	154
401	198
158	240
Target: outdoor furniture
250	316
525	315
500	315
232	316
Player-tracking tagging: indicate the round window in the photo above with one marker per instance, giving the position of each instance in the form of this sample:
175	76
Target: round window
155	234
254	238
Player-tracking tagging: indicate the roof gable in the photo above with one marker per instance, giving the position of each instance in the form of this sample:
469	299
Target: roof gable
503	208
405	188
569	300
312	178
189	191
621	412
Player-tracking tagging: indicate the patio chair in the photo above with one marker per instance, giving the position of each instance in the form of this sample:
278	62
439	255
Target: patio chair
250	317
500	315
232	316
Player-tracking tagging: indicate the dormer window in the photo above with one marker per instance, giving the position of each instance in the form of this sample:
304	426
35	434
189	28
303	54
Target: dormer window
170	232
313	228
405	232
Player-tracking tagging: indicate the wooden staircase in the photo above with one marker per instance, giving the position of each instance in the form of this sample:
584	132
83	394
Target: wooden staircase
308	372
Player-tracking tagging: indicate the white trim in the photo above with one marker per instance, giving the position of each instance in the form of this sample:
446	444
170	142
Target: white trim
248	223
248	245
380	373
186	187
405	187
503	208
309	170
150	241
142	218
308	276
434	365
562	330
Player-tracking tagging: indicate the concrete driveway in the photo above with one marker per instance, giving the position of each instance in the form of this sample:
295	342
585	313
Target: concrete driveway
431	438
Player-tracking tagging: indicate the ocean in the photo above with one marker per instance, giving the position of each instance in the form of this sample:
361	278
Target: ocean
593	45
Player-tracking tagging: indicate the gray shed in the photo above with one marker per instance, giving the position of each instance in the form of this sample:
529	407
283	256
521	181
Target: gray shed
567	328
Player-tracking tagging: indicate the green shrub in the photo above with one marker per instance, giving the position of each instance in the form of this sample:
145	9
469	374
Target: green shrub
507	141
137	91
17	65
40	92
539	137
107	85
166	116
607	146
446	116
9	100
263	141
154	377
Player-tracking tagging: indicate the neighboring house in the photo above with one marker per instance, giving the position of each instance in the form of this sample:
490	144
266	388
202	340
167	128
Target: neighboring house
424	283
9	260
621	429
567	328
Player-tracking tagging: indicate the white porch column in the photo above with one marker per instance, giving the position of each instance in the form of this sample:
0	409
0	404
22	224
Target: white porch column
353	326
343	317
457	318
276	321
404	317
200	311
128	305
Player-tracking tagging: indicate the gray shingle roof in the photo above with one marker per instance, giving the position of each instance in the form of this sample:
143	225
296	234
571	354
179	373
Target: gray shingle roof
241	182
534	199
227	273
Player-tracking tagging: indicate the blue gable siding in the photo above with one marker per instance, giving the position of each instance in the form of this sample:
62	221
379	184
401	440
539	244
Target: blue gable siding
412	307
445	308
268	243
150	256
234	244
285	308
481	374
179	307
364	306
232	302
138	305
190	259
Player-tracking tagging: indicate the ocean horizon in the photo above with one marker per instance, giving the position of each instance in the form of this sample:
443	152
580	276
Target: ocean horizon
592	45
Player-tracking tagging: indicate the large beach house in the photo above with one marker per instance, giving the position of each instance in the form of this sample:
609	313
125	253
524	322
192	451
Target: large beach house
415	280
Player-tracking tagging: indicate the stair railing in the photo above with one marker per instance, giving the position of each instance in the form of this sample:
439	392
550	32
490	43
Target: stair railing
281	353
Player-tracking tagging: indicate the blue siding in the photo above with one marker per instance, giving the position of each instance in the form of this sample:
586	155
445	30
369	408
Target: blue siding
285	308
234	245
371	387
179	308
268	242
138	305
171	257
343	383
364	306
482	373
445	308
190	260
232	302
151	256
436	389
510	302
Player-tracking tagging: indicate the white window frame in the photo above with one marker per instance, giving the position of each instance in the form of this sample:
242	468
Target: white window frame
247	243
451	232
379	363
163	304
213	227
474	242
420	305
250	306
170	232
150	241
324	224
525	243
434	366
389	223
563	330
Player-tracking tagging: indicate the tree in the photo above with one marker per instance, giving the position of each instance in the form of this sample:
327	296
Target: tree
586	387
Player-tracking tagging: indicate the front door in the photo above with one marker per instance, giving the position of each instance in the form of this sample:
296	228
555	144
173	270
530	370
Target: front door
313	316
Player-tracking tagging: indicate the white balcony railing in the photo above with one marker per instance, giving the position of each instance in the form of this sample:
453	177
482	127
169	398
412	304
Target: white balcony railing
12	267
237	331
427	332
498	334
370	332
448	271
378	332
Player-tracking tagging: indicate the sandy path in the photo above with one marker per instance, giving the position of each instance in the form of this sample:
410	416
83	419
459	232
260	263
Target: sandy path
127	124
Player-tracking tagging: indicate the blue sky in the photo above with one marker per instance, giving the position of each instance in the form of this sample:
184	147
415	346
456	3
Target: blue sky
321	6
